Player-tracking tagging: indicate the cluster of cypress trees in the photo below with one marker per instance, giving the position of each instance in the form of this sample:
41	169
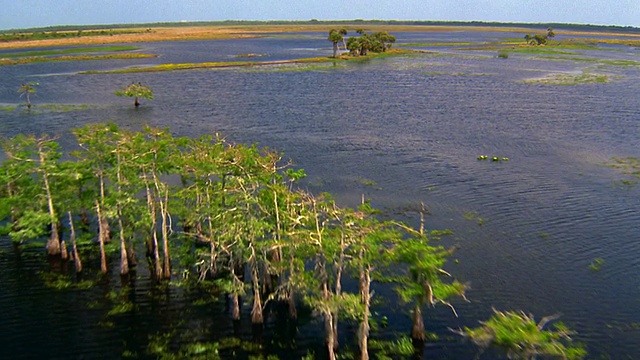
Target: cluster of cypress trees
235	212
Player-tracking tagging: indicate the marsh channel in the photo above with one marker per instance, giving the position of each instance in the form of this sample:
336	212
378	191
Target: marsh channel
400	130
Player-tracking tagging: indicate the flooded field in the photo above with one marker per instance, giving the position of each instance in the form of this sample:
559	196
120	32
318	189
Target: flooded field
400	130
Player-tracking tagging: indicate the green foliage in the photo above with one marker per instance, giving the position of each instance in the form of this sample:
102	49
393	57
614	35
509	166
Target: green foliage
596	264
136	91
628	166
523	338
26	89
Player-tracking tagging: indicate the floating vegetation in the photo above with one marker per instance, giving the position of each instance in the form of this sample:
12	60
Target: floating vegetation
627	166
474	216
121	308
492	158
402	347
250	55
65	282
596	264
366	182
568	79
463	74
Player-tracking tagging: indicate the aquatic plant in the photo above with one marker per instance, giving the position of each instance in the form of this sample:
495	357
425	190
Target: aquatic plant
596	264
523	338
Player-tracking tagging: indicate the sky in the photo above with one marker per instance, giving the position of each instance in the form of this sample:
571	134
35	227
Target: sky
17	14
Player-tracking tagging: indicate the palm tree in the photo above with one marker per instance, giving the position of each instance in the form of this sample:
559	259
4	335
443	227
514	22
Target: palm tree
335	37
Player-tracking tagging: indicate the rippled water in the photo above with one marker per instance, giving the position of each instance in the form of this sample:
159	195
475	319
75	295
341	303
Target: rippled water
412	125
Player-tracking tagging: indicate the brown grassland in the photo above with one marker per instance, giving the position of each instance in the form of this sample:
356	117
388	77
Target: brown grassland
247	31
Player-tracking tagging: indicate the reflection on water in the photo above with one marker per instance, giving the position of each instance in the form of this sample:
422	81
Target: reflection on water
414	126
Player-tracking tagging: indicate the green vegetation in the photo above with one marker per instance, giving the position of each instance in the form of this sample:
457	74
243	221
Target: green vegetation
492	158
539	39
136	91
523	338
337	36
568	79
205	65
596	264
26	90
239	214
438	44
40	59
34	53
378	42
44	35
627	166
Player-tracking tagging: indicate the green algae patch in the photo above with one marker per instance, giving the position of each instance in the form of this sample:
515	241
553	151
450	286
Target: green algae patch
41	59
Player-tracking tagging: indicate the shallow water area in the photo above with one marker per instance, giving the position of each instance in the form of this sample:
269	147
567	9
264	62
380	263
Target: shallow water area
401	131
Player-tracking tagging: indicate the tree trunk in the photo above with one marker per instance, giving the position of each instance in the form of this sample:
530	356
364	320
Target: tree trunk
417	329
153	251
235	306
64	254
256	312
124	259
101	237
136	103
76	257
363	332
53	244
329	324
165	235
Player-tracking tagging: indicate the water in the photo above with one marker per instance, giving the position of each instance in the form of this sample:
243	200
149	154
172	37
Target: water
414	126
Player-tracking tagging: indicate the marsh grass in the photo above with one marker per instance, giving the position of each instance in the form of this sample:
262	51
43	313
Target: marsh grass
570	79
70	51
297	67
626	166
609	62
438	44
463	74
48	108
41	59
205	65
238	64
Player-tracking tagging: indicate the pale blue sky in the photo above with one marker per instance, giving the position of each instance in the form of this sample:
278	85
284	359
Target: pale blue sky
35	13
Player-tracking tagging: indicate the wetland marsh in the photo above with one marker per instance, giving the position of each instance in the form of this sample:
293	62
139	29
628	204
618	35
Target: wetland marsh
401	130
